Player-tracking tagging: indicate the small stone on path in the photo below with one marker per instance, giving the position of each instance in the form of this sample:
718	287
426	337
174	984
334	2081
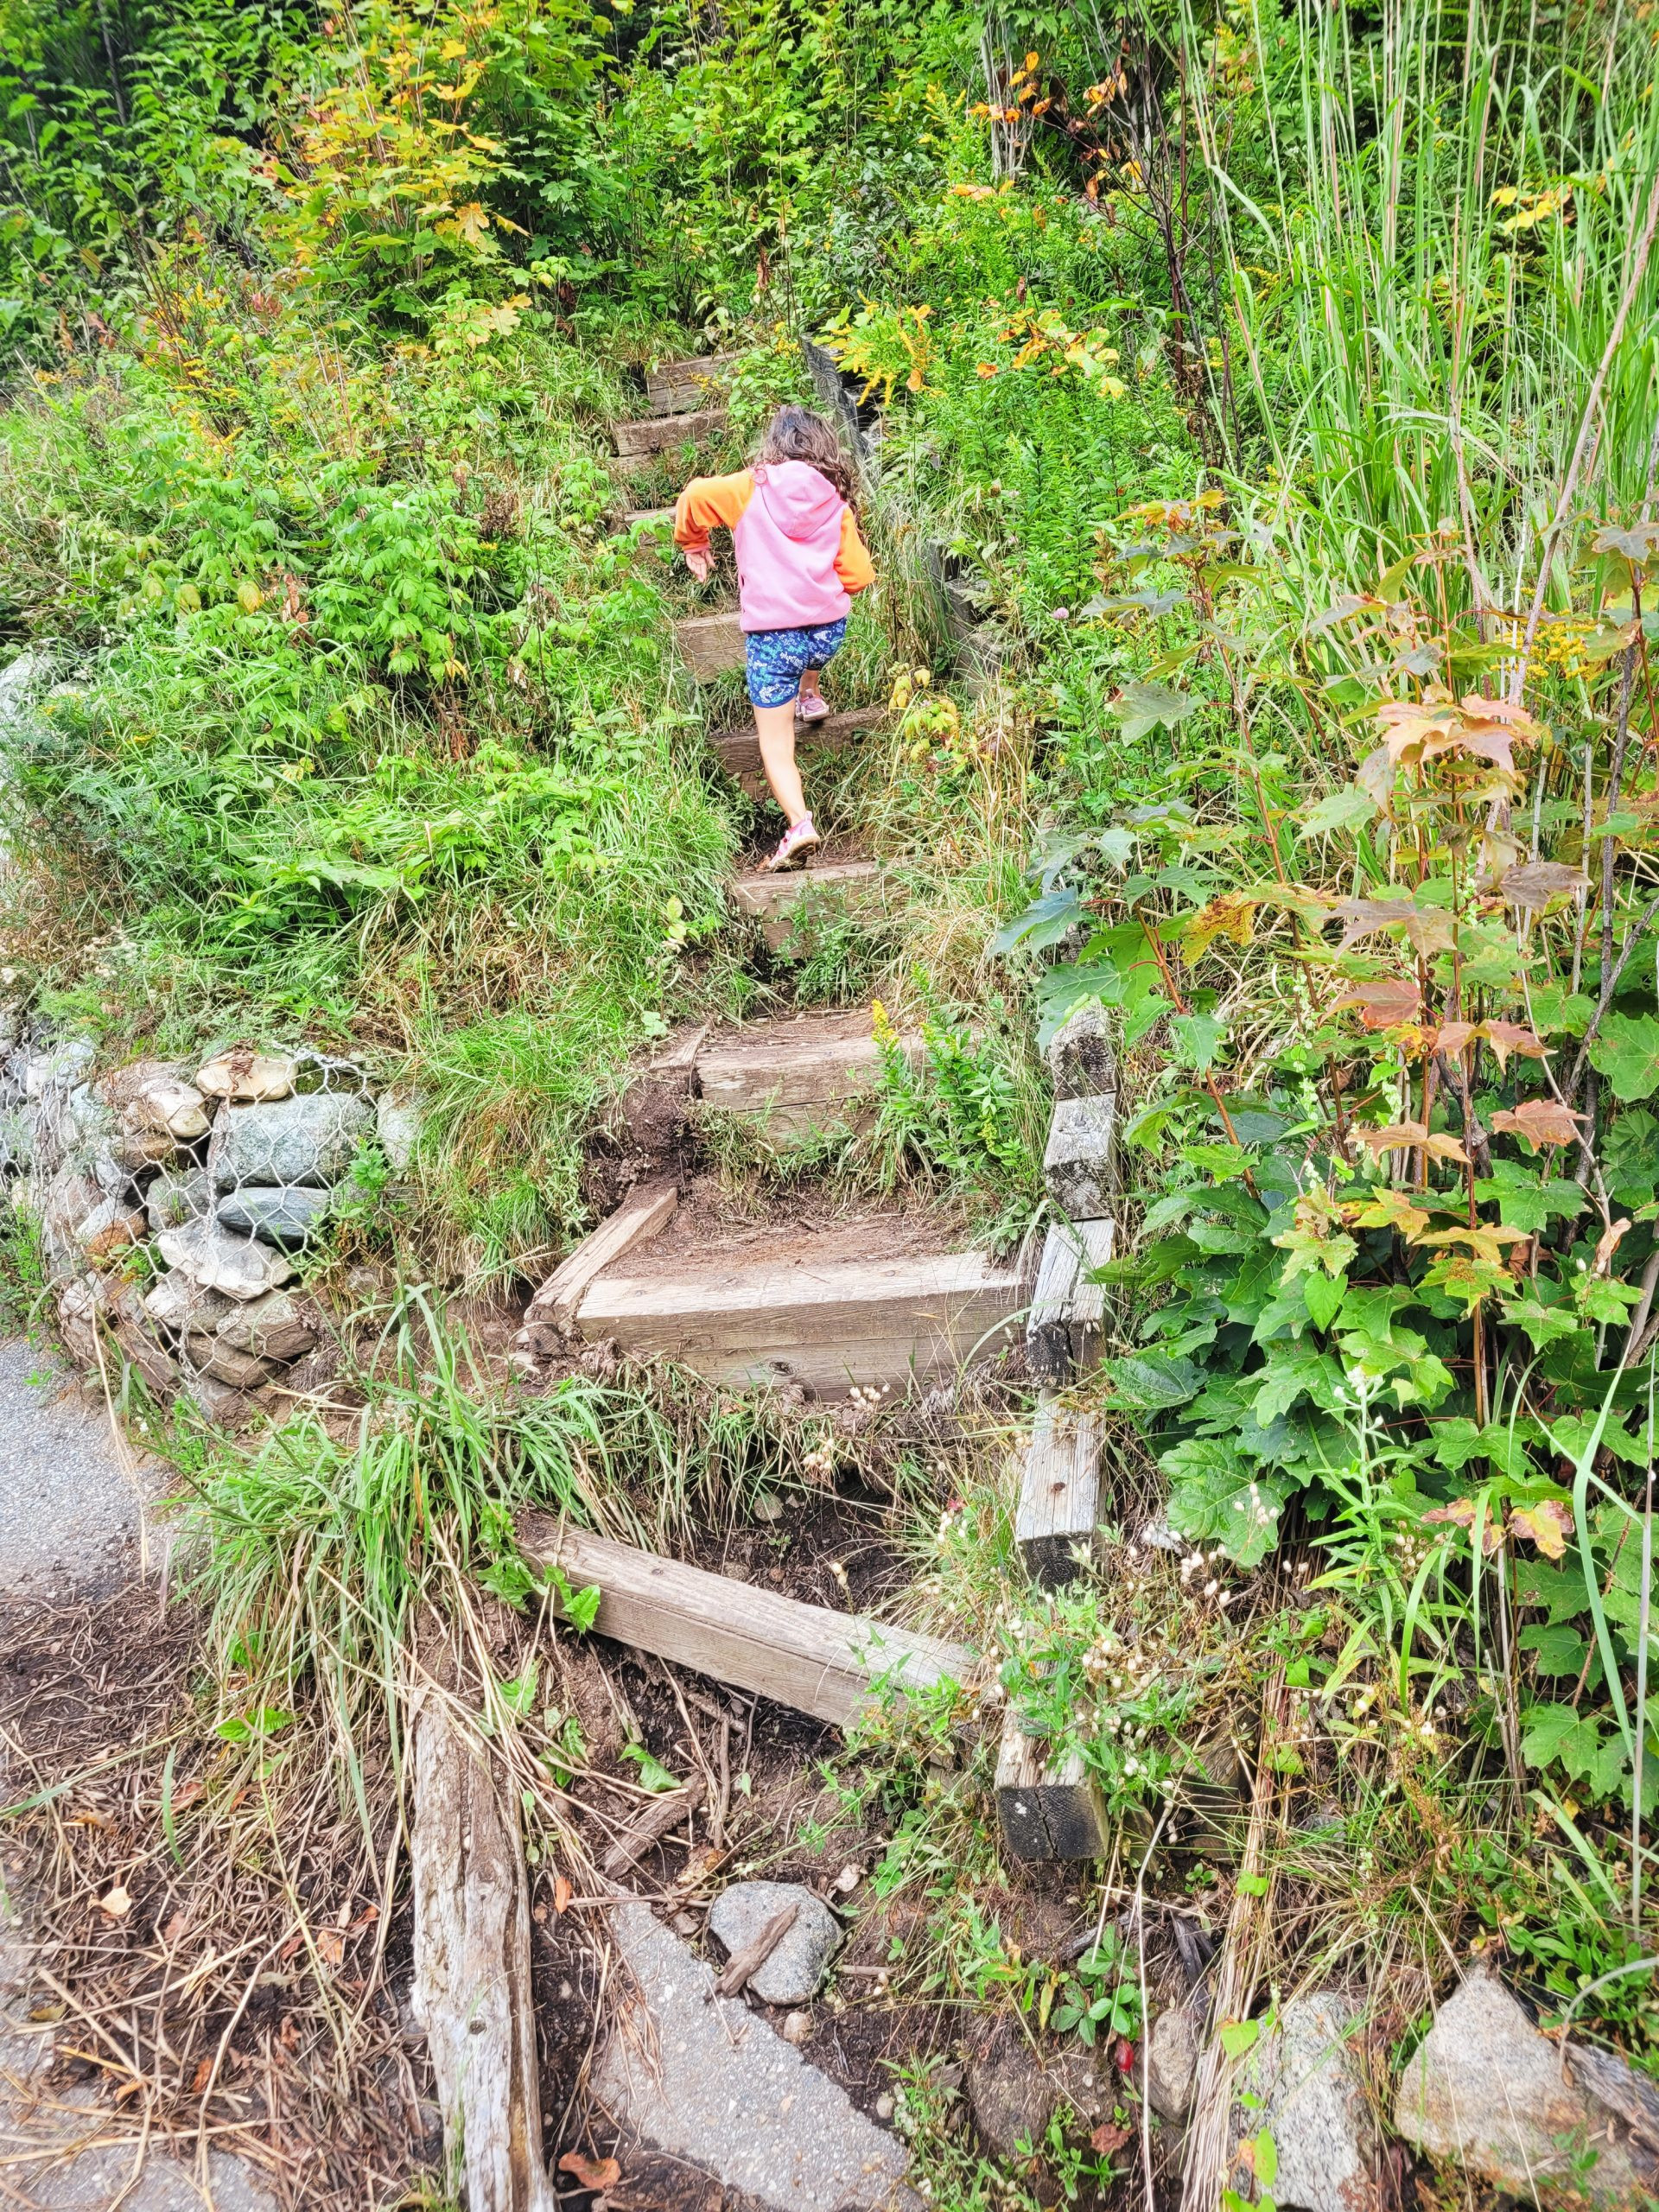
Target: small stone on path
1172	2062
793	1973
703	2079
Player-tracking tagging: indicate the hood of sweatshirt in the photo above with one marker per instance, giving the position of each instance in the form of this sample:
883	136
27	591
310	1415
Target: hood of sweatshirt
801	503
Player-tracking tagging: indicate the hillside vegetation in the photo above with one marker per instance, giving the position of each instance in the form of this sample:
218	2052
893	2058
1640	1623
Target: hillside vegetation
1275	389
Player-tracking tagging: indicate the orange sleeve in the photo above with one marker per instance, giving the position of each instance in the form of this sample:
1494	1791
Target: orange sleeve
710	502
853	563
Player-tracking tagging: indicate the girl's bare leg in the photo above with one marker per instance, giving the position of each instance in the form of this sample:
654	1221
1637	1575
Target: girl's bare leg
775	728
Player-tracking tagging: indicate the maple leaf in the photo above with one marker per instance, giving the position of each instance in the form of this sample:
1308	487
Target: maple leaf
590	2173
1389	1208
1532	885
1485	1241
1436	1143
1107	2137
1428	928
1454	1036
1384	1005
1507	1037
1550	1523
1461	1514
1539	1122
1232	915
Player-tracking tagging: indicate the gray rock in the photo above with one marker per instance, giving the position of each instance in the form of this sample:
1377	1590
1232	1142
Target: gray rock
794	1973
60	1068
177	1303
399	1116
704	2079
279	1326
69	1197
1016	2090
310	1139
1172	2062
1486	2090
174	1198
1077	1166
1313	2102
17	1140
1082	1054
287	1215
243	1370
111	1227
220	1402
239	1266
244	1074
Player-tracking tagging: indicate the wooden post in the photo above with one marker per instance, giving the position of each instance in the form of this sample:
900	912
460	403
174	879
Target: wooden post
1059	1511
472	1987
1047	1809
1065	1321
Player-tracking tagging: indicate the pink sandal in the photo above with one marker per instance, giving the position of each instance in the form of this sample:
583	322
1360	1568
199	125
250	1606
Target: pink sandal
815	710
796	841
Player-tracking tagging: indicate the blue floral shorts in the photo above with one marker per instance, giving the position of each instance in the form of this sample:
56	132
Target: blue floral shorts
777	659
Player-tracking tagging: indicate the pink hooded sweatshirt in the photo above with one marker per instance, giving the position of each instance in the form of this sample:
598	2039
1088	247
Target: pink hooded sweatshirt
799	555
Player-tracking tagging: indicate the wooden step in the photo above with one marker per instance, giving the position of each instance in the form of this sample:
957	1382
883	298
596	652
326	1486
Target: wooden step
682	387
826	1325
710	643
831	1665
795	1075
859	887
740	749
666	433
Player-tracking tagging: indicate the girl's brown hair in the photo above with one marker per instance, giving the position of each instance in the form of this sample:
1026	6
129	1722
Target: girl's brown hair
796	434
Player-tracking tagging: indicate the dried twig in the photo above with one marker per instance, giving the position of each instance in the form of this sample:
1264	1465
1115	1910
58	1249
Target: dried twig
664	1814
744	1963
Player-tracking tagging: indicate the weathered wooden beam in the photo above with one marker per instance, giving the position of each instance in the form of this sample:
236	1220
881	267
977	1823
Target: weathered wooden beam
551	1312
1079	1164
739	750
681	387
834	1666
666	433
472	1987
1047	1809
1082	1054
711	645
858	888
1058	1511
1067	1317
828	1324
795	1074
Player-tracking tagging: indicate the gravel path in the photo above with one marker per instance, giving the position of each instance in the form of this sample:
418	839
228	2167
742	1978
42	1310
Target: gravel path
69	1529
69	1516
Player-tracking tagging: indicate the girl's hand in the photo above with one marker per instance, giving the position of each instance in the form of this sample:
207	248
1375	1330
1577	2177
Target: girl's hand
701	562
